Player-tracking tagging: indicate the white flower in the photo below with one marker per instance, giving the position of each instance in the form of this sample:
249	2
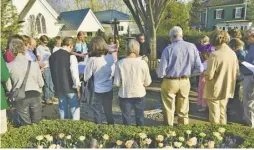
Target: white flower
222	130
177	144
181	139
192	141
39	137
68	137
148	141
219	138
101	146
182	147
49	138
52	146
142	135
119	143
160	138
129	143
202	134
216	134
105	137
40	147
211	144
160	145
61	135
188	132
171	133
82	138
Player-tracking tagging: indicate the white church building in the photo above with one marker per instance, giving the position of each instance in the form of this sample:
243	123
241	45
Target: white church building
39	18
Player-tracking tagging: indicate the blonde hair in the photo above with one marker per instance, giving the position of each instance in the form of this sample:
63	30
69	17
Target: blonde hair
133	47
17	46
26	39
236	44
219	37
204	39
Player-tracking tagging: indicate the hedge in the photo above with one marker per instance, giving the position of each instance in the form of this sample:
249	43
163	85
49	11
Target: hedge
23	137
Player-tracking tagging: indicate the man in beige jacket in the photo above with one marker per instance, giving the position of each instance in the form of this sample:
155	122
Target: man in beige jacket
221	74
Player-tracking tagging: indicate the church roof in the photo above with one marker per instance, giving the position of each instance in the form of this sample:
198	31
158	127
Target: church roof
73	19
30	4
108	16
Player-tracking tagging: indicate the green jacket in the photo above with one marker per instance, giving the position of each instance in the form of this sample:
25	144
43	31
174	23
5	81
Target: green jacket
4	78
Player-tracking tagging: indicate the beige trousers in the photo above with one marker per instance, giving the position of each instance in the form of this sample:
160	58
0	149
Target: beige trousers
175	93
3	121
218	111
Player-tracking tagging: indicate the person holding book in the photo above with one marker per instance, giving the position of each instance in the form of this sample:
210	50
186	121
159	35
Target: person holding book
81	48
248	80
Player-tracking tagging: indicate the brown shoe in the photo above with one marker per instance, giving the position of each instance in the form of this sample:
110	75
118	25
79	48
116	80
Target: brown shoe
48	102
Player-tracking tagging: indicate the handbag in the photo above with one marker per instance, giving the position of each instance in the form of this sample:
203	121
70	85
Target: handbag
18	94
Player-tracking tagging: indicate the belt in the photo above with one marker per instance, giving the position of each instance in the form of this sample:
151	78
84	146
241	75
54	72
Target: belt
175	78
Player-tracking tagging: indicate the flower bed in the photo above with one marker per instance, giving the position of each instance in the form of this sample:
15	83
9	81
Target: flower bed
82	134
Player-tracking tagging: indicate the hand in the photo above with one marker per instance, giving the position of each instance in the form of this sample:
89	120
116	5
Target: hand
78	93
82	55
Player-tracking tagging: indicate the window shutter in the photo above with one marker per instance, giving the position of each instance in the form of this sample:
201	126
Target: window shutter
214	14
234	13
222	15
243	12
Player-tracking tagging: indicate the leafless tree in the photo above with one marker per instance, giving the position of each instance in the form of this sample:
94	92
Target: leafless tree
148	15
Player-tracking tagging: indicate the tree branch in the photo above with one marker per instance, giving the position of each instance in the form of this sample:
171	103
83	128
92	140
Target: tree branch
136	17
162	10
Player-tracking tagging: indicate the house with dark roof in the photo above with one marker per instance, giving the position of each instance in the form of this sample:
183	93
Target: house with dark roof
79	20
224	14
39	18
107	17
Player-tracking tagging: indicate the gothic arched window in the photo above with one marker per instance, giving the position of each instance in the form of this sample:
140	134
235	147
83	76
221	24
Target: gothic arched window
41	24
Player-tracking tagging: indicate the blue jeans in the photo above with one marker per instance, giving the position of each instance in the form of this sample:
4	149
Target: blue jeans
48	88
126	105
70	100
103	100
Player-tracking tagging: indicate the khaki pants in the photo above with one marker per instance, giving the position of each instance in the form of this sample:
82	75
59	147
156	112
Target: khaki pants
3	121
175	93
218	111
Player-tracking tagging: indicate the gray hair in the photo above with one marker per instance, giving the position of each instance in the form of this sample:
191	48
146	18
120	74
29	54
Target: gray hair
17	46
176	31
250	32
133	47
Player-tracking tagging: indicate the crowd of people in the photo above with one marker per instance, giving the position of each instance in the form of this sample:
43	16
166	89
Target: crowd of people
57	76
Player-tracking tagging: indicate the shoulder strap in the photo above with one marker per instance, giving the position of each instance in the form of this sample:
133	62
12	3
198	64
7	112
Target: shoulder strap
23	86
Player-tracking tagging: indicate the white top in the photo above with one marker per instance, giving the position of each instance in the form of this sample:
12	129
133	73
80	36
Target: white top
132	76
102	70
74	71
56	49
44	53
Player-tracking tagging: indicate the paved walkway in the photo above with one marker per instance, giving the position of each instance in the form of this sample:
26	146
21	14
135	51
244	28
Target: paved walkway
153	116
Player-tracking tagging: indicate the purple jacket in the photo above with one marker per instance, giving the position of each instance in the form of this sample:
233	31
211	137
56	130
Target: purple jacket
207	47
